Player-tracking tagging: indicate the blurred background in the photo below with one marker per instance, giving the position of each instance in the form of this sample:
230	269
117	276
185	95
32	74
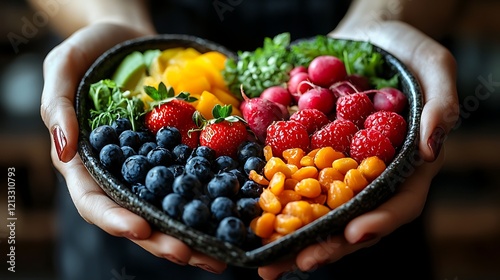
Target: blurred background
463	211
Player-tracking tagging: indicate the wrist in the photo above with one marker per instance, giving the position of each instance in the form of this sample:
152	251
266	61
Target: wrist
368	15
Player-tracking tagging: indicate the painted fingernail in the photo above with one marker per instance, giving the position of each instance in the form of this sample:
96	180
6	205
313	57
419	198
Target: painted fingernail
436	140
206	267
59	140
174	259
366	237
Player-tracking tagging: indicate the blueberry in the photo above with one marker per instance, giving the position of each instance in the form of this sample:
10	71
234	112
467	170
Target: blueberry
148	196
242	178
128	151
252	241
205	199
200	167
232	230
146	136
254	163
168	137
206	152
223	184
251	189
146	148
121	124
176	169
187	185
173	204
130	138
135	188
249	149
223	207
135	169
101	136
196	214
160	156
182	153
225	163
111	156
248	208
159	181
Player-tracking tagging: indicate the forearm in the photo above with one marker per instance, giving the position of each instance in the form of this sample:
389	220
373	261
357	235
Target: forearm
69	16
431	17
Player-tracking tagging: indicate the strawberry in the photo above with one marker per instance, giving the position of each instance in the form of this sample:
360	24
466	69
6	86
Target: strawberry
224	134
174	111
354	107
370	142
312	119
282	135
336	134
391	124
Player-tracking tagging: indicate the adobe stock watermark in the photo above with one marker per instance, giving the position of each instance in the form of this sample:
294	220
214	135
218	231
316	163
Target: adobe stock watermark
483	91
30	27
223	6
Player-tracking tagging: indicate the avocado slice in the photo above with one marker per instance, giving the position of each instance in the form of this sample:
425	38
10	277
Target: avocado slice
149	55
130	71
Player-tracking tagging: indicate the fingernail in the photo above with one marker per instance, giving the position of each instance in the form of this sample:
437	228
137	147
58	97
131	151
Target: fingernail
206	267
174	259
436	140
366	237
130	235
59	140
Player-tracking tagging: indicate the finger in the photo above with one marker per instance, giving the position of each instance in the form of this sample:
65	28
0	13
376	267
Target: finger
63	68
276	269
165	246
406	204
96	207
435	69
207	263
433	66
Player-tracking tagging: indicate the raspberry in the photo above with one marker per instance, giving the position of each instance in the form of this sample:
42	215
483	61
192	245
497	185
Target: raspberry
390	124
282	135
370	142
337	134
312	119
354	107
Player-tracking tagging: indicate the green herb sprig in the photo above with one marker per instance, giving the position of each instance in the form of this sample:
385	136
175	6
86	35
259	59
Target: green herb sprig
111	103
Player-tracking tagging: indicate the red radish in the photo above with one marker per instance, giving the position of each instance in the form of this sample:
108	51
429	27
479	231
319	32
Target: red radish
318	98
277	94
343	88
362	83
390	99
298	69
297	85
259	114
285	114
326	70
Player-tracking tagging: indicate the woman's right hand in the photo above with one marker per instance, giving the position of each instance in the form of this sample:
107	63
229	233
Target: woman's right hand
63	68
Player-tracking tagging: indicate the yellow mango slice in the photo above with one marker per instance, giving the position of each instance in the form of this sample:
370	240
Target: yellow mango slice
225	97
217	59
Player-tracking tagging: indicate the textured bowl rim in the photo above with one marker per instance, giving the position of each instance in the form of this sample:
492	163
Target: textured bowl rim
383	187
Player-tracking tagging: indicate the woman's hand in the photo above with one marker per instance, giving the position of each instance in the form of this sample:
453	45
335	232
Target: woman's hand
434	67
63	68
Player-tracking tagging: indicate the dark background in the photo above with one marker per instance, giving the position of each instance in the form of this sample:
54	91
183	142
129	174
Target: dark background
463	211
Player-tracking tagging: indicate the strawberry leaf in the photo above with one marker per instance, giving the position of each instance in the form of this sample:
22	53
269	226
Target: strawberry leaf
222	112
186	97
161	93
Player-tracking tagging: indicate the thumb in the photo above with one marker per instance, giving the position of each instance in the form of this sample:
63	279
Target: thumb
63	68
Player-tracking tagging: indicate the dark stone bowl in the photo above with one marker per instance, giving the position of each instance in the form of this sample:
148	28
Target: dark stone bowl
334	222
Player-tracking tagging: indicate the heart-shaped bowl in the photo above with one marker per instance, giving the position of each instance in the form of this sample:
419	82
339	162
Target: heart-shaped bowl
319	230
